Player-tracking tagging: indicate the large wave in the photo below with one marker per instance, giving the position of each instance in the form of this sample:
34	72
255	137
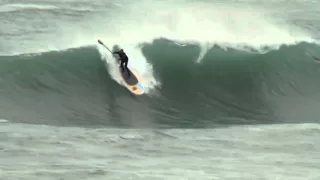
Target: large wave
227	87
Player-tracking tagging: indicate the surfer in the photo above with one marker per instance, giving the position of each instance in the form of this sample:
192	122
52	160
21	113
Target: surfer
124	60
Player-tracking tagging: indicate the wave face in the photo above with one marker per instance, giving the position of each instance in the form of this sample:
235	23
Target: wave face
204	64
227	87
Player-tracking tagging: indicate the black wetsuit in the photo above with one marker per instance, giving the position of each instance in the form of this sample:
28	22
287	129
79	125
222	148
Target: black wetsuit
124	60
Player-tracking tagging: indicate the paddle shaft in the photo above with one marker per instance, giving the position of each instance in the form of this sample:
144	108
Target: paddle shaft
100	42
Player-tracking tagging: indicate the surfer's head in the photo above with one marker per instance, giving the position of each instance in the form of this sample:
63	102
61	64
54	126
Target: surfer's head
121	50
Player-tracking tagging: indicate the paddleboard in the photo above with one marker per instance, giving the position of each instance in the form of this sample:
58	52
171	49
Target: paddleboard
132	82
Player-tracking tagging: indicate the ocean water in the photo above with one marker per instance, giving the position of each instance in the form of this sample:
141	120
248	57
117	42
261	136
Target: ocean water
232	90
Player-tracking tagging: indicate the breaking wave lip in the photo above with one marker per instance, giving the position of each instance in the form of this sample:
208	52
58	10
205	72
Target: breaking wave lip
213	24
201	23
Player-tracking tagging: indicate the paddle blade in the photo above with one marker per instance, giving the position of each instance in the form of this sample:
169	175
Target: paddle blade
100	42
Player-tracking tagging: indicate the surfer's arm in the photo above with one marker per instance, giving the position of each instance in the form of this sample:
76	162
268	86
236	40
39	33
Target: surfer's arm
116	53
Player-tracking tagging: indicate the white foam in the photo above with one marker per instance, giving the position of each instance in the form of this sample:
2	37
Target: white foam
16	7
136	62
3	120
22	6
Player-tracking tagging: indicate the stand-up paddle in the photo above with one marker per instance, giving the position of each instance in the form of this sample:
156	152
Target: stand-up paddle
131	82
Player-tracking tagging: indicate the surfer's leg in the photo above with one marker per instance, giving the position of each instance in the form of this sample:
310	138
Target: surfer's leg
126	65
122	62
